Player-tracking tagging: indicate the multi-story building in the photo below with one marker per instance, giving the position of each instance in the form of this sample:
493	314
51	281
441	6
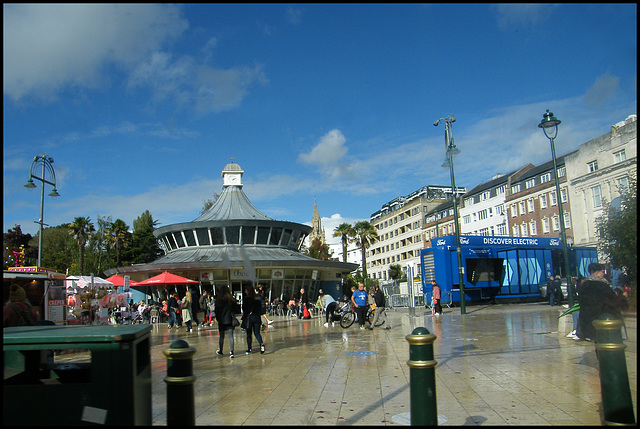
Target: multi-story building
597	171
532	203
399	226
438	223
483	210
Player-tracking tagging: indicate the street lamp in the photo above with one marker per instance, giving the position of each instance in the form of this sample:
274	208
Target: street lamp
44	161
549	125
452	150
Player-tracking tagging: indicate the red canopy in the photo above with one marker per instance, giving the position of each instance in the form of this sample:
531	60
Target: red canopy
166	278
118	281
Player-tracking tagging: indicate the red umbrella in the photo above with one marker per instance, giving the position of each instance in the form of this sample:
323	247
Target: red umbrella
118	281
166	278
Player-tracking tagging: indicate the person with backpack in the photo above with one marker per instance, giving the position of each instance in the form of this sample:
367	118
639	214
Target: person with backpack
18	310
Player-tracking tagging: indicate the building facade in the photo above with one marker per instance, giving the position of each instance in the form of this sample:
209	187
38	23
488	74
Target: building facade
399	225
597	172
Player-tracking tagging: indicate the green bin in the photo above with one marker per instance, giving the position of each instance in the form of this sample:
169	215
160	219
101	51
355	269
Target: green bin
111	386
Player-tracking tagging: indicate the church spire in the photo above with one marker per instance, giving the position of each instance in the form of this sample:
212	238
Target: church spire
316	224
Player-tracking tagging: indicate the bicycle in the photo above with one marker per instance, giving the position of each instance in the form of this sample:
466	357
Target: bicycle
348	317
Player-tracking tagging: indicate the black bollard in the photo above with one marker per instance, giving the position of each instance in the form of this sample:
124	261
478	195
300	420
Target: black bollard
617	405
422	378
180	380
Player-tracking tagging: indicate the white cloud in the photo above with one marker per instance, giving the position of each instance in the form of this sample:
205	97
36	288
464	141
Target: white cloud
519	15
602	90
50	47
327	155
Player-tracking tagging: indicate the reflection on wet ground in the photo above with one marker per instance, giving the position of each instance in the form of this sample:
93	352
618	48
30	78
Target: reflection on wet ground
497	365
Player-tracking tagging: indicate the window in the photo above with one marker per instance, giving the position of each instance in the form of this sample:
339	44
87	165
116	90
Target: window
515	189
501	190
596	193
523	230
466	219
562	171
522	207
543	201
501	229
530	205
567	220
516	230
530	183
623	184
532	228
593	166
500	209
619	156
545	178
556	223
514	211
545	225
563	195
482	214
485	195
554	199
468	202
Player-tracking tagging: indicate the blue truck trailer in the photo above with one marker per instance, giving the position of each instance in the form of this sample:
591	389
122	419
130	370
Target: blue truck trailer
498	267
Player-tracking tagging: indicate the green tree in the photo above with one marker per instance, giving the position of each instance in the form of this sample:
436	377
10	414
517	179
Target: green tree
144	246
58	249
345	231
13	239
365	234
318	250
618	234
119	238
207	204
395	272
81	229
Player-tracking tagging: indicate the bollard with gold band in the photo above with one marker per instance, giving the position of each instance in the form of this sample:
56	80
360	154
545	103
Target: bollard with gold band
617	406
180	380
422	378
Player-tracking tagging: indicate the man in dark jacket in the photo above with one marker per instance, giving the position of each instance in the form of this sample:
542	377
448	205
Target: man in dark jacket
378	296
596	298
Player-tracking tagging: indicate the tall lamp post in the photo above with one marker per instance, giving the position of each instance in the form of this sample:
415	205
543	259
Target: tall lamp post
549	125
45	162
452	150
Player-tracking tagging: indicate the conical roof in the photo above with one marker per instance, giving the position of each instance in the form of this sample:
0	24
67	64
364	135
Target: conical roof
232	204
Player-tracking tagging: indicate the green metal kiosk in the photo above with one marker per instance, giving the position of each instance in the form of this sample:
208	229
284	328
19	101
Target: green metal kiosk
109	385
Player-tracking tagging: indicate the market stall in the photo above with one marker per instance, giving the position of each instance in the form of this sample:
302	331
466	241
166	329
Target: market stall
83	299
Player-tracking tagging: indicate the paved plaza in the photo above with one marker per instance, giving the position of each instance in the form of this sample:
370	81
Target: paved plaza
503	364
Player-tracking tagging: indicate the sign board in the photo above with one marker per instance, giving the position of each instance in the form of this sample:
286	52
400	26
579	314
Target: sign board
127	283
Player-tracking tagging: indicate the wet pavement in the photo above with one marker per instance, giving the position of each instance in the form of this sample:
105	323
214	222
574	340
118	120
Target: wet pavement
504	364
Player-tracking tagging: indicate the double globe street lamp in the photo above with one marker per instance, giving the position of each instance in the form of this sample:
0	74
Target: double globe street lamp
452	150
45	162
549	125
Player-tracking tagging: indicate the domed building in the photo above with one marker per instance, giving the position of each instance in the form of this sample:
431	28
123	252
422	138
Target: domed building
233	243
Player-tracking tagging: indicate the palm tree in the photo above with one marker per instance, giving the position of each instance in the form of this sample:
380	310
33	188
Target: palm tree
345	231
365	234
118	236
81	228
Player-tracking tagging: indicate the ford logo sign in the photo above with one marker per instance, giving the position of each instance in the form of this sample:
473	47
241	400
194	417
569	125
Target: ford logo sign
554	242
440	243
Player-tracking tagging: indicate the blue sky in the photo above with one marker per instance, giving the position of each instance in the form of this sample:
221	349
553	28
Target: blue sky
142	106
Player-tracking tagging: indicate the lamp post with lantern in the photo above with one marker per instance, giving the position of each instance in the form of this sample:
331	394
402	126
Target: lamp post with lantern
45	162
549	125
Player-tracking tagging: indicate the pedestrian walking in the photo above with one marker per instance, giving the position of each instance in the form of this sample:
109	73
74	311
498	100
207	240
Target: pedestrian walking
172	307
252	312
263	302
436	290
379	312
225	308
186	306
596	298
203	303
195	307
304	305
359	300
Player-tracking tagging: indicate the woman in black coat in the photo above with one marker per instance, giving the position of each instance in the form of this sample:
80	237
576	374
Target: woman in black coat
252	312
225	307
